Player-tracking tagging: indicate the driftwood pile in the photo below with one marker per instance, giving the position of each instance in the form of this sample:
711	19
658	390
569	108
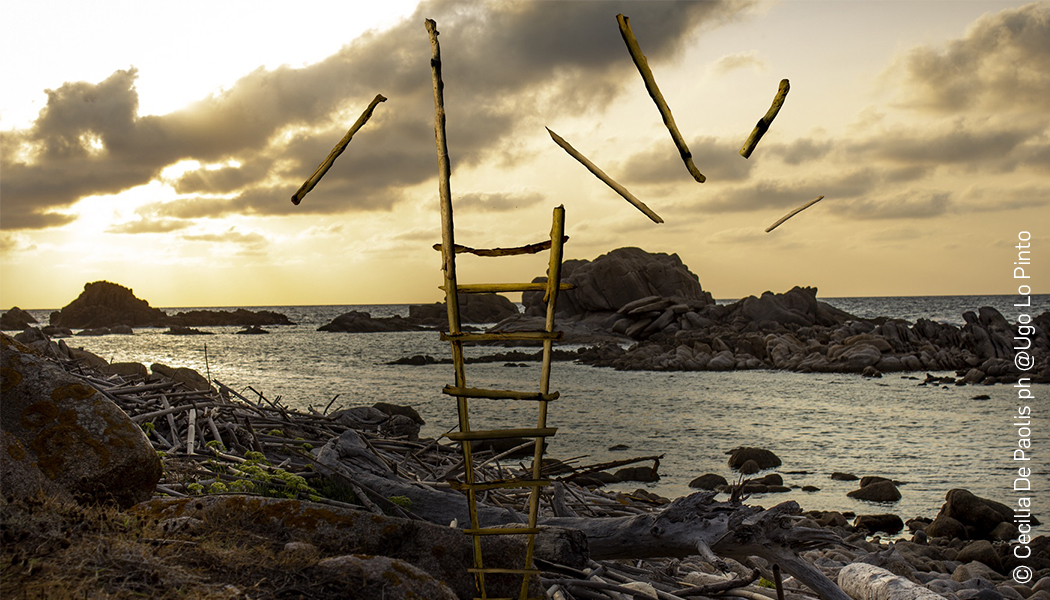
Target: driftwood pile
220	440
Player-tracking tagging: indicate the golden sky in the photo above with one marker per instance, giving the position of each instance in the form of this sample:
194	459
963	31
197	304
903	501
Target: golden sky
159	149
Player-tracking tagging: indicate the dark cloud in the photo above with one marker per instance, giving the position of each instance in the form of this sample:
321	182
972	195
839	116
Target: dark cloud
716	158
910	205
503	63
800	151
1002	63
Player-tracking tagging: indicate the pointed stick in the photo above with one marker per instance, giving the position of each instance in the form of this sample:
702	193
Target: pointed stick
793	213
343	143
619	189
764	123
654	92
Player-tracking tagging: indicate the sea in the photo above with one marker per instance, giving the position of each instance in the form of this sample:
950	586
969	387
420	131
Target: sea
929	438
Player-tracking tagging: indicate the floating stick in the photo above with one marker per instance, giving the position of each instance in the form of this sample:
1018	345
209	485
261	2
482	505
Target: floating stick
793	213
658	98
763	123
619	189
327	164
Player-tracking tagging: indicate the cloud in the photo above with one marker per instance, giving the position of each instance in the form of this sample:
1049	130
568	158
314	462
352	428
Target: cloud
1002	63
740	60
660	163
230	236
145	225
503	64
907	205
499	202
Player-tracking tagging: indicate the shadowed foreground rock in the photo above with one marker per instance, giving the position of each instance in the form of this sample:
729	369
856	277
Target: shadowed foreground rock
76	437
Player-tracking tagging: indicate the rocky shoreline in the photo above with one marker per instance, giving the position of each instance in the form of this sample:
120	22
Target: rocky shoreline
317	483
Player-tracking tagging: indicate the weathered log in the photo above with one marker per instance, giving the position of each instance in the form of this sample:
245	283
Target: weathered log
763	124
654	92
793	213
609	181
309	184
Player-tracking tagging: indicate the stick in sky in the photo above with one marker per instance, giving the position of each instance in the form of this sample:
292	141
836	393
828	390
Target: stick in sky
619	189
658	98
793	213
763	124
327	164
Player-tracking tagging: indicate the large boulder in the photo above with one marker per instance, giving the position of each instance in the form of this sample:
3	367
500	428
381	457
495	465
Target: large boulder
362	322
77	438
979	515
217	318
764	459
473	308
615	279
16	319
105	304
882	490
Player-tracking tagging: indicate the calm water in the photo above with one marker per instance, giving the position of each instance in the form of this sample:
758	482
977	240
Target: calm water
930	438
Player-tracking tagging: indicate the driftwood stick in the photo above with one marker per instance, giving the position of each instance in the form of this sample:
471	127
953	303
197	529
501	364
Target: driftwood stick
191	431
793	213
309	184
527	249
619	189
168	411
763	124
654	92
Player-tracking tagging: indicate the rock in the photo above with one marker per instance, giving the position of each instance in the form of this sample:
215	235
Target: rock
395	409
765	459
981	551
16	319
127	370
362	322
368	577
981	516
886	523
810	488
473	308
844	477
223	318
723	361
77	437
710	481
181	330
880	491
349	446
184	375
619	278
870	479
22	479
105	304
871	372
442	552
1004	532
253	330
363	418
946	527
771	479
868	582
750	467
643	474
400	426
973	570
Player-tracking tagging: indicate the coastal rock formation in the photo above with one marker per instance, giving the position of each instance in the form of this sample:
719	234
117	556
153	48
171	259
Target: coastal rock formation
16	319
104	305
473	308
763	459
75	436
362	322
882	490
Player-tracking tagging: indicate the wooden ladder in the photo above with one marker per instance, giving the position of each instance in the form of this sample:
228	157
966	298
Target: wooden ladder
463	393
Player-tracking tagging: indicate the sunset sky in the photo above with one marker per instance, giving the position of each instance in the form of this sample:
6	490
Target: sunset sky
158	147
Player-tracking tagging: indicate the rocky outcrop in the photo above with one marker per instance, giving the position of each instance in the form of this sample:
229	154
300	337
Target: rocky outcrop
613	280
473	308
764	459
77	438
362	322
105	304
16	319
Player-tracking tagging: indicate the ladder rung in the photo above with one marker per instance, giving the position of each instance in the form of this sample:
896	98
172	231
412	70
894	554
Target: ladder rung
499	434
499	570
502	531
484	288
518	250
499	484
500	336
498	394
